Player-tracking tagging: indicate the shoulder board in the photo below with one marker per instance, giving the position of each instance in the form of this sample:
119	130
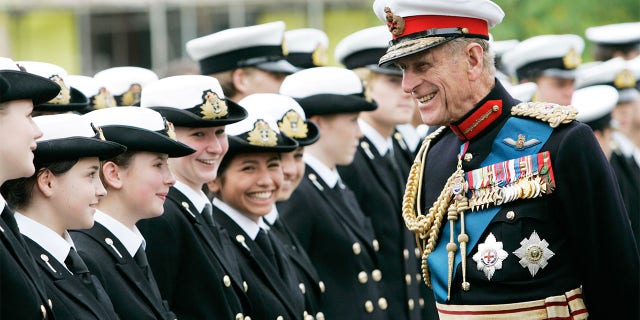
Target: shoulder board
552	113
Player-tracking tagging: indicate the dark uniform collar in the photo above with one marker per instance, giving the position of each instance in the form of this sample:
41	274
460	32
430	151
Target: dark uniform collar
486	112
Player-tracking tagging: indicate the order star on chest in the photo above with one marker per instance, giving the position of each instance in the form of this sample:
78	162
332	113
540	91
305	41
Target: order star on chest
490	256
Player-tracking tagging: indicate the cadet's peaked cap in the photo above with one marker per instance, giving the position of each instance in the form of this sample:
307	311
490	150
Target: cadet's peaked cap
125	83
288	114
68	99
615	34
258	133
194	101
551	55
307	47
139	129
69	136
363	49
98	95
24	85
327	90
595	104
417	25
617	72
258	46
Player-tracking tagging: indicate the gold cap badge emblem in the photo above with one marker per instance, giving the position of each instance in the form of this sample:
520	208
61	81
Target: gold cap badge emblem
262	135
168	127
293	125
64	96
394	22
624	80
212	107
103	99
132	96
319	56
572	59
98	131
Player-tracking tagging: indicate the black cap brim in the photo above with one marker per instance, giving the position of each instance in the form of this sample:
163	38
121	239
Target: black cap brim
188	118
326	104
136	139
280	66
75	148
24	85
78	102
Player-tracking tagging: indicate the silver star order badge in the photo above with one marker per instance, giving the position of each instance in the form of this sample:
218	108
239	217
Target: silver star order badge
490	256
534	253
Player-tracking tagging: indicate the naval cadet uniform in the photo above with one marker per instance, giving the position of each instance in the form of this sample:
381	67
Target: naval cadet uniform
185	252
111	252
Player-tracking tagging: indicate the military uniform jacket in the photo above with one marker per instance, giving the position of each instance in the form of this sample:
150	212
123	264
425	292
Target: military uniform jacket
628	175
272	294
22	290
132	295
71	298
403	154
379	188
310	284
583	221
339	242
193	264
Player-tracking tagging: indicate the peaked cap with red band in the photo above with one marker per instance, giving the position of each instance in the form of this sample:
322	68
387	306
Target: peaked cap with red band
417	25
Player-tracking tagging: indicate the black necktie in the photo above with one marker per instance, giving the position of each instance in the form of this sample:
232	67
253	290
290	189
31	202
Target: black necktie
264	242
75	264
141	260
207	215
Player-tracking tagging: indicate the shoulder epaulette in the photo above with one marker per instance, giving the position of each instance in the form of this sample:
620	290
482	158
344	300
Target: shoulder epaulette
552	113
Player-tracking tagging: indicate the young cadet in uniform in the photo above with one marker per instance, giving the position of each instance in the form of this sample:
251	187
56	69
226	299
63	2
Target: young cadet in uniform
548	60
307	47
137	184
190	256
22	290
126	83
323	212
246	189
292	122
69	99
62	195
379	170
615	40
245	60
515	205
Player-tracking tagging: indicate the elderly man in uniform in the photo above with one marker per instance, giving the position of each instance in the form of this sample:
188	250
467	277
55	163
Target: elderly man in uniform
515	205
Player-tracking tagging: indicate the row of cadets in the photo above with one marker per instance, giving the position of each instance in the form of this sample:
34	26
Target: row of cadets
247	186
137	183
293	123
623	144
322	211
192	258
380	167
22	289
505	244
62	195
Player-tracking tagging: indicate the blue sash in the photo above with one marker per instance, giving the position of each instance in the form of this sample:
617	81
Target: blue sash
476	222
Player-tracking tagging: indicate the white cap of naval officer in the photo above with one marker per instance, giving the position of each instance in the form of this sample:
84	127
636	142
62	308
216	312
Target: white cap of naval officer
307	47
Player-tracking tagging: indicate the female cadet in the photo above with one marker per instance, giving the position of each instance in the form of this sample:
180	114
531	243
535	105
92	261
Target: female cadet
195	269
62	195
22	292
137	183
246	189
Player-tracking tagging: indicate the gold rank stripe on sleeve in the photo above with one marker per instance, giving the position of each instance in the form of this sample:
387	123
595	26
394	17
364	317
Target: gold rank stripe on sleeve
521	178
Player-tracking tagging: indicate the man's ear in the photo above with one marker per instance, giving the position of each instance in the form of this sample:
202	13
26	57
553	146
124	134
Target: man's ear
111	175
215	185
46	182
475	59
240	79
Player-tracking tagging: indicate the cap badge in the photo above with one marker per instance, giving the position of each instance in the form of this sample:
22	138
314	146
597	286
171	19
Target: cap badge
262	135
171	132
394	22
624	80
212	107
64	96
571	60
99	133
132	96
319	56
103	99
293	125
285	50
534	253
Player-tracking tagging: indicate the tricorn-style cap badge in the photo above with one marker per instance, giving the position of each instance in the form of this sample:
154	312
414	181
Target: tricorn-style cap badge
319	56
103	99
132	96
171	131
572	59
293	125
99	133
213	107
624	80
64	97
394	22
262	135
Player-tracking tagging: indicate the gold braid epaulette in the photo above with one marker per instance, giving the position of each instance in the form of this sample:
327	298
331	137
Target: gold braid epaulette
426	228
552	113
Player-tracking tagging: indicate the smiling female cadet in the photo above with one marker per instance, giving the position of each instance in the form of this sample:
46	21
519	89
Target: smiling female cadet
62	195
137	183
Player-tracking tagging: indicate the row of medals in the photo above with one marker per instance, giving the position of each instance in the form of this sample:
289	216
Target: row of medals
524	188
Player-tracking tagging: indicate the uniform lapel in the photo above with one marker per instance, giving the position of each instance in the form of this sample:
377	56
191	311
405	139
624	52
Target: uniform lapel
298	256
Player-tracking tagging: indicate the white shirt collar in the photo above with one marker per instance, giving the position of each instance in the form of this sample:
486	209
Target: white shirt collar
381	143
272	216
3	203
329	176
48	239
199	199
130	238
410	134
250	228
